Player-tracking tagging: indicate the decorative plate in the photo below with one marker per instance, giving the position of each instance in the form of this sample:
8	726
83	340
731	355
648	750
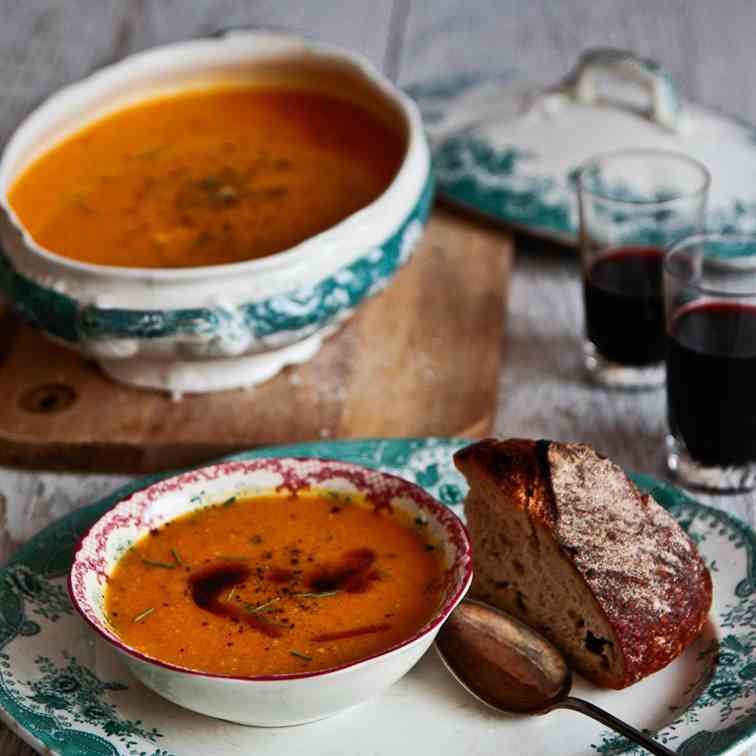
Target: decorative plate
511	152
64	690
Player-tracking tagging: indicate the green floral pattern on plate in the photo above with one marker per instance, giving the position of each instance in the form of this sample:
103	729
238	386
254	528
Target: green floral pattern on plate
70	710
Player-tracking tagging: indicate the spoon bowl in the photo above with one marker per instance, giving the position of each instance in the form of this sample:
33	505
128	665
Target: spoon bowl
501	661
510	667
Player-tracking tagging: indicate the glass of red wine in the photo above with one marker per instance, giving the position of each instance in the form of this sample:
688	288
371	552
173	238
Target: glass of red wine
710	303
633	204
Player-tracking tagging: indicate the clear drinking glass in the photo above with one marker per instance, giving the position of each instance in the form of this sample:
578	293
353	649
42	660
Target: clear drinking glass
633	204
710	303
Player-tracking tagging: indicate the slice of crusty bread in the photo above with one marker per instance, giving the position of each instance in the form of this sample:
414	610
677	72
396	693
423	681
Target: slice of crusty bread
563	540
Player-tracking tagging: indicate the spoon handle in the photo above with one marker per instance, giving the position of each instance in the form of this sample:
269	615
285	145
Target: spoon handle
584	707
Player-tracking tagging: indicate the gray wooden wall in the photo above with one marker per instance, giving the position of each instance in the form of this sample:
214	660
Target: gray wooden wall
708	45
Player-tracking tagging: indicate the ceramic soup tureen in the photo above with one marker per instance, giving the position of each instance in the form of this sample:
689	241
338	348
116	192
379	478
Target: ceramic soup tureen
224	326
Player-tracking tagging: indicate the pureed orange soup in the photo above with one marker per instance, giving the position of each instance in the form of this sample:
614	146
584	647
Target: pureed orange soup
275	585
206	177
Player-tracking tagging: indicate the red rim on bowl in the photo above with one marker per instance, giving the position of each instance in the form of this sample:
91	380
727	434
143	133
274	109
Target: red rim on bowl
458	573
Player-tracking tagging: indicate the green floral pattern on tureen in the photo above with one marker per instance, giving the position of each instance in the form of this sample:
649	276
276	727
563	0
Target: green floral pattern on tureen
53	690
295	314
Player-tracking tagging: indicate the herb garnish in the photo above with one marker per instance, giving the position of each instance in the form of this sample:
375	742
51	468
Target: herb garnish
143	615
154	563
231	594
312	594
178	559
228	502
432	586
258	611
150	154
300	655
264	607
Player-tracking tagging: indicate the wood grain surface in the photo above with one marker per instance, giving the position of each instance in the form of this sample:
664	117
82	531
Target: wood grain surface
399	367
708	46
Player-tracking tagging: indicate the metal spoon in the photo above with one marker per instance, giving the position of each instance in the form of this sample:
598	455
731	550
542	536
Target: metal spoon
510	667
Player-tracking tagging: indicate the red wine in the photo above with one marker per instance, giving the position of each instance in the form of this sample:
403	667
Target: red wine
711	382
624	312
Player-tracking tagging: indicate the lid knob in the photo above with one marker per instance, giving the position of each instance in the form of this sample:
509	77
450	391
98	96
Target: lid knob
582	81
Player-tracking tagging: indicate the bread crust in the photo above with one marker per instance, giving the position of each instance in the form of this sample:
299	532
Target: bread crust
642	569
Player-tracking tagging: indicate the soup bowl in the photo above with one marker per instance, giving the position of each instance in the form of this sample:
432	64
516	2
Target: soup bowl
276	700
221	326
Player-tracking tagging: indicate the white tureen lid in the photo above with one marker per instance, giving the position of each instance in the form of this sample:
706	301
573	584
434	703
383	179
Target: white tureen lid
511	152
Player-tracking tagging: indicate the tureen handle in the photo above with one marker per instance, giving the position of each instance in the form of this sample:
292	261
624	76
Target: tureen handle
582	82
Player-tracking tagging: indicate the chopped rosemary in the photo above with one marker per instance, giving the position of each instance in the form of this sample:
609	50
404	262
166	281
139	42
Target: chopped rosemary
179	561
300	655
143	615
164	565
252	609
432	586
264	607
151	154
312	594
231	593
201	239
228	502
257	613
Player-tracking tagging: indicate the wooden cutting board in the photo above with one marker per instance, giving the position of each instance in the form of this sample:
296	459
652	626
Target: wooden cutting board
422	358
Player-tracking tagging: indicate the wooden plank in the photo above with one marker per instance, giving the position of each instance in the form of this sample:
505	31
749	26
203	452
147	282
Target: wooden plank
359	24
11	745
45	45
399	368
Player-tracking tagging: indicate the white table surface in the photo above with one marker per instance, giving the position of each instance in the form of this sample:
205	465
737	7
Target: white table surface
708	46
